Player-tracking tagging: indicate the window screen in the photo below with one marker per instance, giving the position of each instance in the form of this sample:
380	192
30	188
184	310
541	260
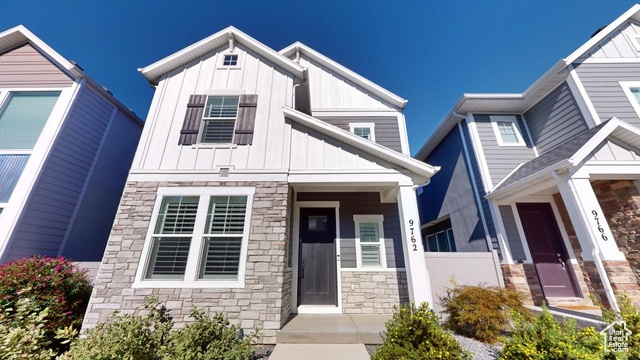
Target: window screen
507	132
172	237
370	243
22	118
363	132
223	237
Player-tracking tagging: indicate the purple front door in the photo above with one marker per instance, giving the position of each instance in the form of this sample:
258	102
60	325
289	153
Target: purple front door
547	249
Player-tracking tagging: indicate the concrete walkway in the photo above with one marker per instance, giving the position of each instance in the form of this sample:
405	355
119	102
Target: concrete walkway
319	352
333	329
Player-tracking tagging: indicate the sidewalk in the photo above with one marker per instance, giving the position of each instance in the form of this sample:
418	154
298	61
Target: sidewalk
319	352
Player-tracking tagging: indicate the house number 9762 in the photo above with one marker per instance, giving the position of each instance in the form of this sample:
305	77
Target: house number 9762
414	246
600	228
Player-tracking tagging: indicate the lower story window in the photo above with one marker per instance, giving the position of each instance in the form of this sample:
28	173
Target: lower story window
370	247
198	238
439	237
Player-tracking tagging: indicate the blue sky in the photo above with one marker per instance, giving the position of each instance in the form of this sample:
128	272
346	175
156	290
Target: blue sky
428	52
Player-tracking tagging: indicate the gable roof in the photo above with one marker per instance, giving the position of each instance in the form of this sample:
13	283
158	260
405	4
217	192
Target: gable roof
568	154
520	102
154	72
393	157
366	84
19	35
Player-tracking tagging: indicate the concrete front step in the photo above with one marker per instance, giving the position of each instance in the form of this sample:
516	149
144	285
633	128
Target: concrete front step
319	352
333	329
582	318
568	301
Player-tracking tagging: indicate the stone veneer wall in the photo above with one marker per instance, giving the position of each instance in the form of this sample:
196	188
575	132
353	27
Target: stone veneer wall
371	292
523	279
263	301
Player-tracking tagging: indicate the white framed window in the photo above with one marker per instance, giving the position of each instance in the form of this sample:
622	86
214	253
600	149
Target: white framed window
507	131
197	238
370	243
229	60
364	130
635	40
632	90
219	119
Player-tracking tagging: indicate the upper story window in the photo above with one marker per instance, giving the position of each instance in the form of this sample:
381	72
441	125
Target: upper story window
230	60
220	114
632	91
370	248
507	131
22	118
198	236
364	130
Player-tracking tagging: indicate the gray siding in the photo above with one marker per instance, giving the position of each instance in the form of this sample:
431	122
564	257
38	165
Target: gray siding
386	128
25	67
555	119
363	203
52	202
99	205
501	160
475	170
513	236
601	83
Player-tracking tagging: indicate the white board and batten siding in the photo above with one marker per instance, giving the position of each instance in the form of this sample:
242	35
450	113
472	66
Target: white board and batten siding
275	146
618	45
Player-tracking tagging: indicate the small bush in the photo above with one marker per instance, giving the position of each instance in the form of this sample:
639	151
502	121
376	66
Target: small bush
630	314
149	337
209	338
415	333
49	283
482	313
547	339
25	335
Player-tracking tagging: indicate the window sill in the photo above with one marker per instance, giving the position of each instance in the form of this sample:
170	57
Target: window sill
201	284
512	145
214	146
229	67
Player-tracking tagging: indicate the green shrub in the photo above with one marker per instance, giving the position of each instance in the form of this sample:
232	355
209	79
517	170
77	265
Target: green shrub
209	338
482	313
24	333
415	333
546	339
630	314
50	283
149	337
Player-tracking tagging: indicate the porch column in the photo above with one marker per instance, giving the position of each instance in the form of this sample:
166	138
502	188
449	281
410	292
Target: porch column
589	220
591	227
417	275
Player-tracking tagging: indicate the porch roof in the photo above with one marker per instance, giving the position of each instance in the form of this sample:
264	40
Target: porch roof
568	154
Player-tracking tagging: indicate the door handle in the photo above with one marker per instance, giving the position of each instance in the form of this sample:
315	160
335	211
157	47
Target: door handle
561	261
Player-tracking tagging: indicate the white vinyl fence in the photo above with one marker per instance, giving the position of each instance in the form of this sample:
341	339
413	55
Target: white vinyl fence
467	268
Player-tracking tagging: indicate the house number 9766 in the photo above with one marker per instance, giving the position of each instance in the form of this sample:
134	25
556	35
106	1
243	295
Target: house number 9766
414	246
600	228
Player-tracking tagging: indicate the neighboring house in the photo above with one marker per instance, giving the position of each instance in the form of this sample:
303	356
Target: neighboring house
266	183
549	177
66	146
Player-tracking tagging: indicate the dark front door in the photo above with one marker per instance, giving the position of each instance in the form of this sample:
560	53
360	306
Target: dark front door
317	261
547	249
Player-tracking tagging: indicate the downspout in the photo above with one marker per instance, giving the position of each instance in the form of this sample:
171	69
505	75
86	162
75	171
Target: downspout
415	187
295	86
595	253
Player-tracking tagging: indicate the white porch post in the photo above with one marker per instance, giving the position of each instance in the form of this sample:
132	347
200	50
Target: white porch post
592	229
588	220
417	274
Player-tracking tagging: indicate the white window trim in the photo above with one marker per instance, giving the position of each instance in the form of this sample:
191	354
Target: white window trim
221	64
634	40
507	118
626	88
383	255
195	250
199	142
371	126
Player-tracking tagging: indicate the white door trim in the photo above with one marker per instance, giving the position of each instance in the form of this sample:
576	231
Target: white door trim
312	309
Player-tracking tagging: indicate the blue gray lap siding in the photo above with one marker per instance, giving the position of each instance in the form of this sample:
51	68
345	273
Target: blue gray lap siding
363	203
512	234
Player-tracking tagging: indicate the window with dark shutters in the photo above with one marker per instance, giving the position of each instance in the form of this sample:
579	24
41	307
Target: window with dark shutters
192	120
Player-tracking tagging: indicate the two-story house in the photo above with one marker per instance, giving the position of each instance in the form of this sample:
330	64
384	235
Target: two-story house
266	183
548	177
66	145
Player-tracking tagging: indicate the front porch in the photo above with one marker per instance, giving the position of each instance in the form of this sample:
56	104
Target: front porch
333	329
567	220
